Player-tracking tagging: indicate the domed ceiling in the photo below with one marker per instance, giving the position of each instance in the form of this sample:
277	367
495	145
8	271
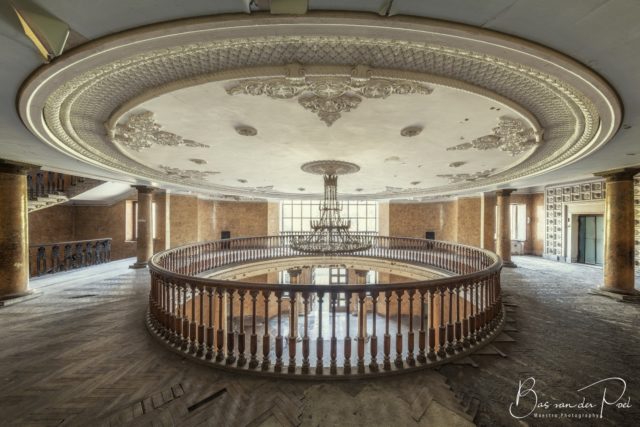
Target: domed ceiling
235	105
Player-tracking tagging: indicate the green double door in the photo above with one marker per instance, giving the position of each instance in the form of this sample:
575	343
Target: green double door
590	239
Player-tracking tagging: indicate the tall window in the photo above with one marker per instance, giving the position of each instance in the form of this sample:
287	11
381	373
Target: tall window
295	215
131	223
518	218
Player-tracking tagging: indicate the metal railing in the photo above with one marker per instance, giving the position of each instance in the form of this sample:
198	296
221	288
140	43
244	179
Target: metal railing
430	322
49	258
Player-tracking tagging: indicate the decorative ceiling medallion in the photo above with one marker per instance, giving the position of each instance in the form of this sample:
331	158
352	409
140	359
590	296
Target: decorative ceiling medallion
469	177
330	167
511	135
246	130
410	131
140	131
327	96
456	164
67	103
188	174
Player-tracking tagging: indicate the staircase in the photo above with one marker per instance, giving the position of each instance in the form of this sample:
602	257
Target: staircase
51	188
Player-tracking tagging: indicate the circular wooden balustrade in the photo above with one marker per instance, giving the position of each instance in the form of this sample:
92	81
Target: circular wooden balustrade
394	327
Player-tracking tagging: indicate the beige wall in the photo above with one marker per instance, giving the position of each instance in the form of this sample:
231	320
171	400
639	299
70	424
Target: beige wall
242	219
414	219
468	220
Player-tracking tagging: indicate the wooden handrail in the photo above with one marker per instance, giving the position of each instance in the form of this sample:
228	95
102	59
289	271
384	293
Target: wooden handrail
467	302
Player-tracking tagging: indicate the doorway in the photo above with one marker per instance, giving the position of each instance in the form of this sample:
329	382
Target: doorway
590	239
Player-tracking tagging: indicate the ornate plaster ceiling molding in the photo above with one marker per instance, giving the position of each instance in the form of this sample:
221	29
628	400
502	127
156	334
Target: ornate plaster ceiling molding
67	103
189	174
327	96
469	177
140	131
511	135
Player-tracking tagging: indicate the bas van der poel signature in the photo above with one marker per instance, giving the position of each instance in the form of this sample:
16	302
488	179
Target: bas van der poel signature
526	402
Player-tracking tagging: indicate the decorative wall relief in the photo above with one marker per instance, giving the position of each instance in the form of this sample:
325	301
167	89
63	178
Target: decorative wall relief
555	199
636	200
460	177
511	135
187	174
141	131
328	96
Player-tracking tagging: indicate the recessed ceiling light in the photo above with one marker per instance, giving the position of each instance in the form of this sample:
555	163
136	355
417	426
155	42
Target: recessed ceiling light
198	161
415	182
246	130
631	154
626	126
359	189
243	181
410	131
301	188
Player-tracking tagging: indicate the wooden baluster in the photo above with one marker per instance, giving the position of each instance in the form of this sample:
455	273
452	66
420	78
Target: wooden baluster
242	360
481	310
253	362
472	318
210	351
179	314
200	332
458	345
319	340
465	319
422	341
166	319
220	335
333	367
305	338
347	338
386	362
450	349
362	325
398	361
41	261
193	326
279	343
184	345
432	331
231	355
175	321
442	330
266	339
373	364
478	312
293	332
411	361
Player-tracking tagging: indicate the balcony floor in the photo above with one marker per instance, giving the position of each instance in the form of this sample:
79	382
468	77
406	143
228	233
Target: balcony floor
80	355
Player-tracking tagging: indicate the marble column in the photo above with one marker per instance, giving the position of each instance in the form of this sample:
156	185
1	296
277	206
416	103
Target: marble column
14	231
619	274
503	226
144	226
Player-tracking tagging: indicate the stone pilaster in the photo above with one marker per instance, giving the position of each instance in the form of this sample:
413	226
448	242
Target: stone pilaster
503	226
14	232
619	274
144	226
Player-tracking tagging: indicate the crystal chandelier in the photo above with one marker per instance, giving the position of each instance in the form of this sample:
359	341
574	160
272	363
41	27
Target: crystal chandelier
330	233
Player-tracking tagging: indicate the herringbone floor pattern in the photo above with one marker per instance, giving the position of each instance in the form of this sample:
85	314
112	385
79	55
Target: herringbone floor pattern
80	355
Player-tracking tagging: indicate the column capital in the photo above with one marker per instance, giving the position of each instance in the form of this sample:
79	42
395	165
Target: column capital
16	168
622	174
505	192
144	189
